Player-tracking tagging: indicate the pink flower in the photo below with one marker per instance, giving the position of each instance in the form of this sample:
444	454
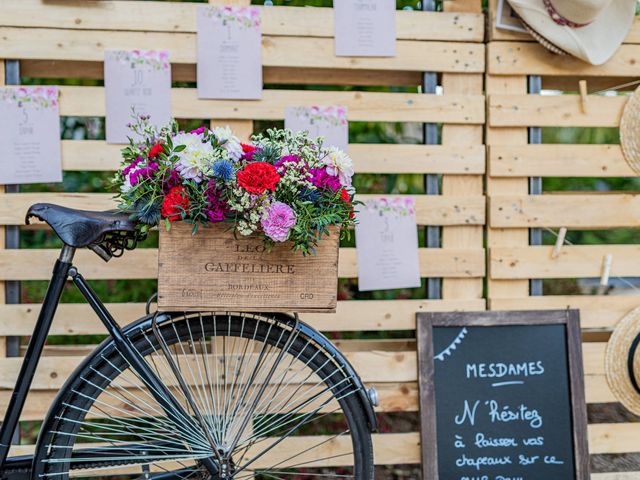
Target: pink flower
277	221
320	178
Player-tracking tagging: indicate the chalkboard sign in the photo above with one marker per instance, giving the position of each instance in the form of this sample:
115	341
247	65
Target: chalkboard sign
502	396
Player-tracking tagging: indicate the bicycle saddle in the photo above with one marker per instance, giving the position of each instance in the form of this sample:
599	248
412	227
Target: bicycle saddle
81	228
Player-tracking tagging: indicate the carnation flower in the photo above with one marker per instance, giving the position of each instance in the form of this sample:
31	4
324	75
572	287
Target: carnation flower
156	150
320	178
175	204
247	152
340	165
346	198
258	177
229	142
277	221
170	181
195	160
223	169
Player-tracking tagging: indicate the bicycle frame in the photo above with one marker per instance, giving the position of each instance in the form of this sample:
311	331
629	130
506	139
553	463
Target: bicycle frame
62	270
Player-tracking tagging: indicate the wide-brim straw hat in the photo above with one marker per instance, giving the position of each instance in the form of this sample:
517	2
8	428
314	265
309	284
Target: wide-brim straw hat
591	30
630	131
622	361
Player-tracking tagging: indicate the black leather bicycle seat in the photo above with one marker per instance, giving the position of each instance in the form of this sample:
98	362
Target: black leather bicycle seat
81	228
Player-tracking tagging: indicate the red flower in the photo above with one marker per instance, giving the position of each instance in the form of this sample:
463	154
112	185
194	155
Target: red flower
156	150
258	177
346	198
247	151
247	148
175	203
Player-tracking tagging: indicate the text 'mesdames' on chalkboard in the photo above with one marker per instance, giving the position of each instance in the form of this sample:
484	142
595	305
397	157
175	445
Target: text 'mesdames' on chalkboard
502	396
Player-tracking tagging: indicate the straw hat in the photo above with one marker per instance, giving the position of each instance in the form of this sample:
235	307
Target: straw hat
630	131
621	376
591	30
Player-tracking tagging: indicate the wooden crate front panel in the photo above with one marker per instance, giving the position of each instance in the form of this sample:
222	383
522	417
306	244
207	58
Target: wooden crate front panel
297	50
218	270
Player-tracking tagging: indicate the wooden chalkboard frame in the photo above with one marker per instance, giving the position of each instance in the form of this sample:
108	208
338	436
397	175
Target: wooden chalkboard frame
425	323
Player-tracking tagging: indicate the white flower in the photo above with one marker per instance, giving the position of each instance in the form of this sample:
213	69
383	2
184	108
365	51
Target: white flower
229	142
339	164
126	185
195	160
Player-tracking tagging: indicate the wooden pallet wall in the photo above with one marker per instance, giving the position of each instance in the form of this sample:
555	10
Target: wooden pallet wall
512	211
67	39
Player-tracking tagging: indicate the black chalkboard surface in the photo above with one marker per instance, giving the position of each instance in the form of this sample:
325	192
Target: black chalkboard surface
502	396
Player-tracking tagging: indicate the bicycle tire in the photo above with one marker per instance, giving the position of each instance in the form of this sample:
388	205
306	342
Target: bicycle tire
82	410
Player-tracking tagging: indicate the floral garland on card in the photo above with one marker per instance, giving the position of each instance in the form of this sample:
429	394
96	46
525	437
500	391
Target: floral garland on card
248	17
283	186
331	115
41	97
152	59
400	206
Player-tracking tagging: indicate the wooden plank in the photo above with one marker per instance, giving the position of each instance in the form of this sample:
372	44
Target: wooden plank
580	211
365	106
277	51
97	155
580	261
462	236
558	161
554	111
142	263
181	72
596	311
181	17
351	315
430	210
521	58
372	366
507	186
404	448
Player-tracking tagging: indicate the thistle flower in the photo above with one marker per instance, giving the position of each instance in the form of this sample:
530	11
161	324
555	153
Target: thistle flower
223	169
147	211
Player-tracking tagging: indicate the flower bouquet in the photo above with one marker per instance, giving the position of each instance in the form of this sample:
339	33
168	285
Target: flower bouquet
283	186
265	207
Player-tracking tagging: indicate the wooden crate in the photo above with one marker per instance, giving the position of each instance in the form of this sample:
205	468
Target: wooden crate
512	211
297	50
217	269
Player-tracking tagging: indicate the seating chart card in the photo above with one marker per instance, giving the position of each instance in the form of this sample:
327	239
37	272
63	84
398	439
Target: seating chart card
229	53
365	28
387	241
329	122
29	135
135	81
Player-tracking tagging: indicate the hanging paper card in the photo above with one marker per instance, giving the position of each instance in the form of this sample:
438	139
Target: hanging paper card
136	81
327	122
29	135
365	28
507	19
229	53
387	241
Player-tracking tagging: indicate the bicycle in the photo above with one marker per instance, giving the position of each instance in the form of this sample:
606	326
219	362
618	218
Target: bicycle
225	395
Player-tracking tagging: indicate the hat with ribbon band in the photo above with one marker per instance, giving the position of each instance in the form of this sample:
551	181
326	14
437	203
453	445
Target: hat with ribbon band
622	361
591	30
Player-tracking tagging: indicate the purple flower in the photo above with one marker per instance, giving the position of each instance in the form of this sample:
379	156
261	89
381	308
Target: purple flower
280	164
131	166
277	221
198	131
320	178
144	172
217	208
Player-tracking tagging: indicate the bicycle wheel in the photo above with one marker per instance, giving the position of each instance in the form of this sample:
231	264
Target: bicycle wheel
274	403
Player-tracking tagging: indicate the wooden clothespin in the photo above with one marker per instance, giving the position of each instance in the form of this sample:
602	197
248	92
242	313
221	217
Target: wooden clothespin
562	233
582	87
606	269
